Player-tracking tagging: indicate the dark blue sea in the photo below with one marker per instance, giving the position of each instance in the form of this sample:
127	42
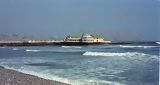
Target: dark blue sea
135	64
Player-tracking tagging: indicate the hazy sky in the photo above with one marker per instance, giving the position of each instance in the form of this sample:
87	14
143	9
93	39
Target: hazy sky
114	19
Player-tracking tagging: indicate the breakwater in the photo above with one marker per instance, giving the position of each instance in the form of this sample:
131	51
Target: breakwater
46	43
50	43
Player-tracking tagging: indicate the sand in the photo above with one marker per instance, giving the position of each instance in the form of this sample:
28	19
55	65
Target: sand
11	77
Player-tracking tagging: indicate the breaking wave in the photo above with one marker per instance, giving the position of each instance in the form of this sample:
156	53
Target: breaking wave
15	49
109	54
129	46
56	51
28	50
46	75
2	47
118	54
158	42
71	46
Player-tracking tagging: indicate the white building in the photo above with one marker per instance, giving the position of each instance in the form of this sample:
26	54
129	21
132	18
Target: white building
72	39
86	38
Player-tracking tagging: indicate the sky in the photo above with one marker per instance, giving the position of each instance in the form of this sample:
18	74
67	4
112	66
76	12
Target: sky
116	20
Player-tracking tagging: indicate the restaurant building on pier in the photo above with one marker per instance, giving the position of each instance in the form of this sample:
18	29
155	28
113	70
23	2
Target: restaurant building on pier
85	38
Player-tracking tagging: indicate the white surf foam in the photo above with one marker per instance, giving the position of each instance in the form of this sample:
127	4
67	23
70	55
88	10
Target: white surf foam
15	48
50	50
71	46
128	54
158	42
47	75
29	50
2	47
129	46
108	54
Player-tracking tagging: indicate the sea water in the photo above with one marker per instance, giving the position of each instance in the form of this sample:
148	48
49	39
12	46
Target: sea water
136	64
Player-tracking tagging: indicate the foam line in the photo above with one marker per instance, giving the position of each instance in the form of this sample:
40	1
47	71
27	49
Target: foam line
71	46
128	54
28	50
129	46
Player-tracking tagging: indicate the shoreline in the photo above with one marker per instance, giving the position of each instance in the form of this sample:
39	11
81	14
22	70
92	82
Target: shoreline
12	77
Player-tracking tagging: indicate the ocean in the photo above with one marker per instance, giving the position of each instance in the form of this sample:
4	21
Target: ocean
134	64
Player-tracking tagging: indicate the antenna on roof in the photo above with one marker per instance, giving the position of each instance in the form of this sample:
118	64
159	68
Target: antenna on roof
82	34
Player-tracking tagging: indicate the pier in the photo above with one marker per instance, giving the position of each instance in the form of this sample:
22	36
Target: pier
45	43
84	39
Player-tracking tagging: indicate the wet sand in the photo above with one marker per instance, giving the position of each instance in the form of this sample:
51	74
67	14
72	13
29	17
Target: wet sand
11	77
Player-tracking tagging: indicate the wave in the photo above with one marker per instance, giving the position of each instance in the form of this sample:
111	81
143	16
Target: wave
129	46
28	50
130	54
2	47
158	42
57	51
106	54
71	46
15	49
51	76
47	75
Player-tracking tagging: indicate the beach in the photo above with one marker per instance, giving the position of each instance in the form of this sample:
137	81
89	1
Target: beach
11	77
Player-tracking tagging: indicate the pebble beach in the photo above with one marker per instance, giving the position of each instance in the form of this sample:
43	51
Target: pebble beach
11	77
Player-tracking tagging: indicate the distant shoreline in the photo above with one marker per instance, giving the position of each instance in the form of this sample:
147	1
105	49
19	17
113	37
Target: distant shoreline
11	77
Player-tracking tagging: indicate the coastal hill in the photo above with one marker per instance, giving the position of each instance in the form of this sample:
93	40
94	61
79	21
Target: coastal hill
14	37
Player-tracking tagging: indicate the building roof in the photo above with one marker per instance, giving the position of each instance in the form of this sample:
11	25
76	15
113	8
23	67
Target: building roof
87	36
97	36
